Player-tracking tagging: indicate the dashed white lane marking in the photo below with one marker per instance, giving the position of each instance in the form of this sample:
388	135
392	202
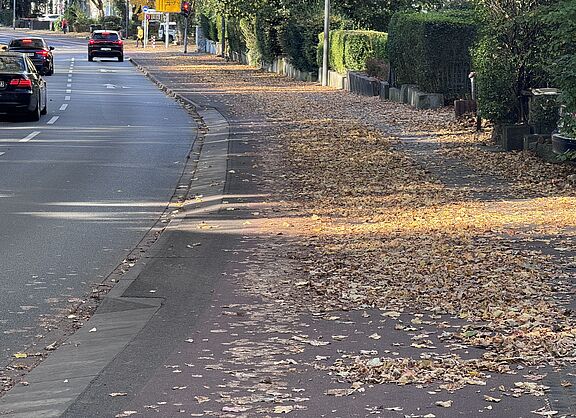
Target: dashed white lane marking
2	153
66	98
72	59
69	85
70	72
29	137
64	106
53	120
69	80
68	91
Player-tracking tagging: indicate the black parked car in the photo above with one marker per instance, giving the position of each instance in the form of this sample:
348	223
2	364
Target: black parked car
37	50
22	88
105	43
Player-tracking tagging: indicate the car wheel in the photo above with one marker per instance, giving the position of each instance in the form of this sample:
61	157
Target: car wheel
170	39
45	108
121	58
34	115
50	70
90	58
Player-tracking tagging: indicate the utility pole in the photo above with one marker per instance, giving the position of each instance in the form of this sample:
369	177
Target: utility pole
326	42
186	34
223	36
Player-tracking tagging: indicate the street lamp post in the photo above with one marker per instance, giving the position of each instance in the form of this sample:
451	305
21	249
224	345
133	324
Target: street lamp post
14	15
326	42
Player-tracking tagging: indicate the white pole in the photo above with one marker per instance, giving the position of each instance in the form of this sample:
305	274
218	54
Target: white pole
326	42
145	29
14	15
166	25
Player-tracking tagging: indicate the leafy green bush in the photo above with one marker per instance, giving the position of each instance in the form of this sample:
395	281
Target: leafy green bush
6	17
512	58
495	83
377	68
432	50
562	46
209	28
349	50
235	38
111	22
298	39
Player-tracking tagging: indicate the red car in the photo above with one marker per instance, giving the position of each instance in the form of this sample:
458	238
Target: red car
105	43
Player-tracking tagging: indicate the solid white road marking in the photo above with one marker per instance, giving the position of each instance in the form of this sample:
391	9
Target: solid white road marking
53	120
29	137
64	106
66	98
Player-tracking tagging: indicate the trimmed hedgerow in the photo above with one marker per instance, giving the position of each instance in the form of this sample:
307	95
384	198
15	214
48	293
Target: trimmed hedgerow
432	50
350	49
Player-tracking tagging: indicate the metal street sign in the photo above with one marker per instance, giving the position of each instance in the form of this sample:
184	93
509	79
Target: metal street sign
168	6
145	9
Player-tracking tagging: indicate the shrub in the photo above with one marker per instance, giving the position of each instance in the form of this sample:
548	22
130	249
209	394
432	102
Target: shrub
235	38
298	40
512	58
208	25
562	44
377	68
349	50
432	50
6	17
495	83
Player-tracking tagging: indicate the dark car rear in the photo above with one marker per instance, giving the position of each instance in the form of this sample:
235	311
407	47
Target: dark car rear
105	43
22	88
37	50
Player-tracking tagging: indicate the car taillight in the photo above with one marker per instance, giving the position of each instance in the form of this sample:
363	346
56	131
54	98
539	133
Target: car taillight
21	83
43	53
91	42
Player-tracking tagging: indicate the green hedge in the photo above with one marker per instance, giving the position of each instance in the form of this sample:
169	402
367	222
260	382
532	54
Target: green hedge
209	27
350	49
432	50
298	40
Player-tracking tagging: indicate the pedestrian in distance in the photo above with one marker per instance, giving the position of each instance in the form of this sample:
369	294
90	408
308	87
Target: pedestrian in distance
140	37
64	25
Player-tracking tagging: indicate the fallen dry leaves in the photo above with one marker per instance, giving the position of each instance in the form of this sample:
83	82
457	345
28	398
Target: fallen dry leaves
480	239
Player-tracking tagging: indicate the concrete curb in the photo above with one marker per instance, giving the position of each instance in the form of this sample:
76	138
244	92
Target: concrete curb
58	381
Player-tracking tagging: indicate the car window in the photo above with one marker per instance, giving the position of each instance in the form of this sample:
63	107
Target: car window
26	43
12	64
105	36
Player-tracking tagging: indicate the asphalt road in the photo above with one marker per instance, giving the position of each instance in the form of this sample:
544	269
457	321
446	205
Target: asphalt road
81	187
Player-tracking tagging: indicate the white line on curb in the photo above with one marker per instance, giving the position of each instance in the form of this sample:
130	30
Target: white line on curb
29	137
53	120
64	106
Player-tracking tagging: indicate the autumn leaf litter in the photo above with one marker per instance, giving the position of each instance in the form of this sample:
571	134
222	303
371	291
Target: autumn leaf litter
370	228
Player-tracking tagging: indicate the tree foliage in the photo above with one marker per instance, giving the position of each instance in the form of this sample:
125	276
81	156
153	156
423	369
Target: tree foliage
512	58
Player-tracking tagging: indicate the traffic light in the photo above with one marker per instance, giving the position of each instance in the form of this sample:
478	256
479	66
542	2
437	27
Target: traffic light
185	8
